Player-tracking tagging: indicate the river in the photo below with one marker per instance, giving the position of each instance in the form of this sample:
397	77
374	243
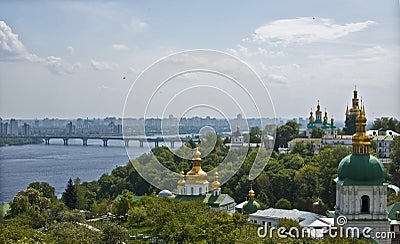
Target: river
56	163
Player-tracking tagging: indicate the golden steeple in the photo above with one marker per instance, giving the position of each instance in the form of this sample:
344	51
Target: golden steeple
196	174
251	193
361	141
215	185
311	118
318	113
326	117
355	108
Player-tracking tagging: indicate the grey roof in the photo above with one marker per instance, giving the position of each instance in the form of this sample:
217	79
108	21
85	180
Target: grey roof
304	218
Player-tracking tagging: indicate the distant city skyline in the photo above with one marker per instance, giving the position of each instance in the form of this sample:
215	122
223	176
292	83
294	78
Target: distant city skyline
70	59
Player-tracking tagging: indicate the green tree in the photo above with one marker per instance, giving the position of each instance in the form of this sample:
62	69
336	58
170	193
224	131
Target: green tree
317	133
386	123
45	188
288	223
350	124
308	181
395	150
283	204
113	233
122	205
255	134
136	216
70	196
285	133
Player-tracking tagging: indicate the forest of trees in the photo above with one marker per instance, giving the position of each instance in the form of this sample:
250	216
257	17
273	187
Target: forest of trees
295	180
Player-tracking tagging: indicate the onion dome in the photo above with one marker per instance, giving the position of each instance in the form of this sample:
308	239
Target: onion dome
252	205
216	185
196	174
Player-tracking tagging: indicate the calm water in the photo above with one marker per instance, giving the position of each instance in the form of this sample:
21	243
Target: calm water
56	163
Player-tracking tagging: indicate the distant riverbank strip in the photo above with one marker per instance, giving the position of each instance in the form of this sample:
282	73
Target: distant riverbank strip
19	141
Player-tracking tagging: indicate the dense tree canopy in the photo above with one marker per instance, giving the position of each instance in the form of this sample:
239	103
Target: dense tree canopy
386	123
299	180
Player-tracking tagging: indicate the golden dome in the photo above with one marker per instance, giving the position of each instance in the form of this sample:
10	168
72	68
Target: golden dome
326	117
197	154
318	112
196	174
216	185
311	118
251	192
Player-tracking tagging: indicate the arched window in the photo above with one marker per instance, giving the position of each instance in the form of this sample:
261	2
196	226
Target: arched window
200	191
191	189
365	204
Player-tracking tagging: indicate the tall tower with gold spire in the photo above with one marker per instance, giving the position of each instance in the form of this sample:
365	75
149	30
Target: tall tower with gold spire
352	114
361	188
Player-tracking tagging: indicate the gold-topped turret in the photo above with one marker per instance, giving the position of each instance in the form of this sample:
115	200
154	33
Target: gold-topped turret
196	174
326	117
360	140
318	113
311	118
355	108
251	195
215	185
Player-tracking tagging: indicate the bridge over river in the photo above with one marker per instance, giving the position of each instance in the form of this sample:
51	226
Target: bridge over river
105	138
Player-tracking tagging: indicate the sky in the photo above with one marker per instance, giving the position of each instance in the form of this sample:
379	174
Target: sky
70	59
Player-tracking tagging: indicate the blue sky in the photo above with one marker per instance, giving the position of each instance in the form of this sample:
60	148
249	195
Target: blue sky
67	58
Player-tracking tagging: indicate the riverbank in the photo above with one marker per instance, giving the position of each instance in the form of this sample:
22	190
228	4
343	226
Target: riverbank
19	141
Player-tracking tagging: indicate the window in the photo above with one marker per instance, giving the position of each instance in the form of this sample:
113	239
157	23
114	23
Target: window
200	191
365	204
191	190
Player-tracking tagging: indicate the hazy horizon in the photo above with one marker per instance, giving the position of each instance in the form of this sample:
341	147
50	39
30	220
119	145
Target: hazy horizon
84	63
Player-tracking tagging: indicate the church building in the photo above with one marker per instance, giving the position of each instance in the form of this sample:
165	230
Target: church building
195	186
329	128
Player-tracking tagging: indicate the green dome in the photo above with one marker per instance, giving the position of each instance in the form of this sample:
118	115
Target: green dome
361	169
251	207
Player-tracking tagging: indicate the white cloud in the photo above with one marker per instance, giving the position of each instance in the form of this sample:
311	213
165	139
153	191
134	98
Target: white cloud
305	30
57	65
136	24
101	65
119	47
260	52
11	48
275	78
71	50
